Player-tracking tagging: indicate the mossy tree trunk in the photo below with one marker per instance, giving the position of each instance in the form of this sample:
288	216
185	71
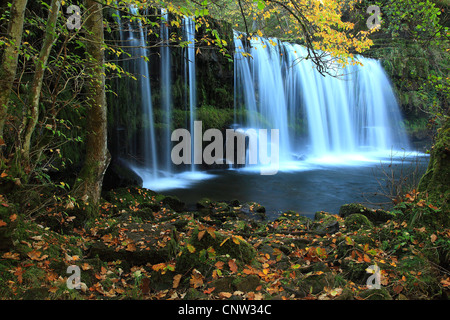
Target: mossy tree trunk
436	180
41	63
89	183
8	64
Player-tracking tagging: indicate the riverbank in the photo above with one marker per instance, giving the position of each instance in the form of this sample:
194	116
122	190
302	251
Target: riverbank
145	245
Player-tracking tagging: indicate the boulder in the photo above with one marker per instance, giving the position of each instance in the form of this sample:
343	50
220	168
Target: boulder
222	244
357	221
374	215
174	203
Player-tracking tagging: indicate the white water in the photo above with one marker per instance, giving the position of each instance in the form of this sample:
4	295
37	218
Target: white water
190	77
137	42
166	93
344	119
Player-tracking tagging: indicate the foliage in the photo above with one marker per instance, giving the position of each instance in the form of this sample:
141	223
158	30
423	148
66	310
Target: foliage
216	255
414	20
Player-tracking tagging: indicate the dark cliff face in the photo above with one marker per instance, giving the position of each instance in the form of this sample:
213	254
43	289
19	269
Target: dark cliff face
215	68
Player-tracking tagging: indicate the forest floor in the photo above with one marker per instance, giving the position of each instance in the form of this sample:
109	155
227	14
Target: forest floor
144	245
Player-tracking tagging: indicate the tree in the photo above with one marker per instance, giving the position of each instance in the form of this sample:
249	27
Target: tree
8	65
36	87
89	183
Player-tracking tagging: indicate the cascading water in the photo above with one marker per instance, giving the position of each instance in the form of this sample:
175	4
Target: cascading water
190	78
166	93
137	44
317	116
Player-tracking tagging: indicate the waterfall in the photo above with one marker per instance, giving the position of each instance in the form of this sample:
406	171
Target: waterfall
137	48
317	116
166	93
275	87
189	67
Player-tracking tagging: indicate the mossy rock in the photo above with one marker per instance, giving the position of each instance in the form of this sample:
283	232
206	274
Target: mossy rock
314	284
295	217
204	205
222	244
236	283
247	284
325	223
174	203
253	210
375	294
194	294
221	208
347	294
376	216
357	221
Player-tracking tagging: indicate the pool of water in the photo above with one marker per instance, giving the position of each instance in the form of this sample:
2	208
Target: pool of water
307	186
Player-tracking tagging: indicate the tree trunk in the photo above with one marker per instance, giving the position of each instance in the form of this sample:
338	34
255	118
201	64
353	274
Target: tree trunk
41	64
8	65
90	179
436	180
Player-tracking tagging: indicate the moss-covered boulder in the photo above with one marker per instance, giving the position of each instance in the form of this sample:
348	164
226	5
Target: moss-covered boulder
295	217
201	251
325	223
174	203
374	215
314	283
357	221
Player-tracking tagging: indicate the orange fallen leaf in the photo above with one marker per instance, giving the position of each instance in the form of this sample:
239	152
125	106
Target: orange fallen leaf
131	247
19	272
433	238
232	265
224	295
176	281
13	217
196	279
201	234
10	255
211	232
208	291
397	289
34	255
2	223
